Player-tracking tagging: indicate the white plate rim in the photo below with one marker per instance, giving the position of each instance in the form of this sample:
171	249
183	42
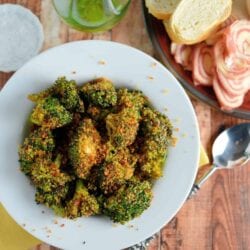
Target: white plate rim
123	47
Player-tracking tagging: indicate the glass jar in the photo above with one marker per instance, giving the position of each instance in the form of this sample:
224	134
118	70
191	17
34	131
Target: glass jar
91	15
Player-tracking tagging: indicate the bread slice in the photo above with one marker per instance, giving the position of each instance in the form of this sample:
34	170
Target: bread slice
194	20
161	9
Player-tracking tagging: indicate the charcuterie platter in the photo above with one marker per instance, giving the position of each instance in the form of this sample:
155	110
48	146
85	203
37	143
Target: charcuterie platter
212	70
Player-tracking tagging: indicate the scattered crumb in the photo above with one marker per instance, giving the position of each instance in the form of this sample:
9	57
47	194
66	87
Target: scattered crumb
153	65
130	226
73	72
150	77
177	120
62	225
165	109
174	141
176	129
102	62
114	225
165	91
24	225
184	135
49	231
55	221
48	236
43	212
84	242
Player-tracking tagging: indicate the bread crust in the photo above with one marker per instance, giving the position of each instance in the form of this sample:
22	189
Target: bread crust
159	14
177	37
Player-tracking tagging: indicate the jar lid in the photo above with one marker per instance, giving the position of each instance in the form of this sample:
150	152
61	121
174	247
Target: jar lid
21	36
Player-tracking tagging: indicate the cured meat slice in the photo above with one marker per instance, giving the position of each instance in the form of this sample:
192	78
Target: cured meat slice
237	37
203	65
226	64
182	55
226	101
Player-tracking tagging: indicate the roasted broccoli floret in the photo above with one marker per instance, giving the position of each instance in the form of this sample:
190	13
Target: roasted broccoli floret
50	113
37	97
129	201
66	91
116	170
122	126
54	197
86	148
47	175
97	113
131	99
38	145
156	131
82	203
97	158
100	92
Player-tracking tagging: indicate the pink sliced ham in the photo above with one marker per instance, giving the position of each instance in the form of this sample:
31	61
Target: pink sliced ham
232	77
234	86
173	48
182	55
237	37
227	102
203	65
221	62
227	64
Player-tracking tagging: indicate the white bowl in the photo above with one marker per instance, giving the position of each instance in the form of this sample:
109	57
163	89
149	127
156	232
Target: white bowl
128	67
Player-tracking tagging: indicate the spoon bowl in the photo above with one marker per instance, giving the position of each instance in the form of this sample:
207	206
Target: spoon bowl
231	148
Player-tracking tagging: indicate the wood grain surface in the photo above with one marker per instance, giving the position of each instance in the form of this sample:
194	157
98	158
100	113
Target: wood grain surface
219	216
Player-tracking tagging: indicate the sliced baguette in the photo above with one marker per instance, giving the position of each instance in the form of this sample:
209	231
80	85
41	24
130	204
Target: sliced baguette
161	9
194	20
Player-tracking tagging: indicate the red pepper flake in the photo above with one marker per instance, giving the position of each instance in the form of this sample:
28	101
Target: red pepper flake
62	225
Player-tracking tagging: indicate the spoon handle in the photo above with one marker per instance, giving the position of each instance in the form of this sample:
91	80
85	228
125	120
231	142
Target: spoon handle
203	174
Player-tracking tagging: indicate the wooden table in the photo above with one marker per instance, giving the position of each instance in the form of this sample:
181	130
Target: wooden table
219	216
